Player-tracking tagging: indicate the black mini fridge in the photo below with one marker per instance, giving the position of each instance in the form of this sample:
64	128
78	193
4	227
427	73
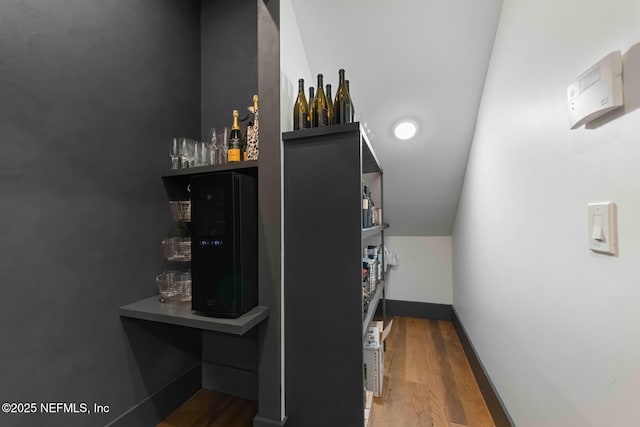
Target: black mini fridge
224	244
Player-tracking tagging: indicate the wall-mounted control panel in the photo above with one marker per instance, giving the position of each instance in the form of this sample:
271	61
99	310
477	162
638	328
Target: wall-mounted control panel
597	91
603	228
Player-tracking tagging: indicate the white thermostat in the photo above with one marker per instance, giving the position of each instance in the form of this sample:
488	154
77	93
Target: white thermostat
597	91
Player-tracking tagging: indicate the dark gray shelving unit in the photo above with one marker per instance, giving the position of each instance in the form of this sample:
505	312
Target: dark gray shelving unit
176	182
234	367
323	242
372	231
180	314
377	296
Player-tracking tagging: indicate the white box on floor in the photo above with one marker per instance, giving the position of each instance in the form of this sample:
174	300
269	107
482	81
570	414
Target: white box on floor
367	408
373	357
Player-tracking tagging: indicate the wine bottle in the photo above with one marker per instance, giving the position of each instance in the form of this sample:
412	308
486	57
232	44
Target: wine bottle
342	103
353	110
312	107
365	207
301	109
235	140
370	210
321	115
330	106
253	131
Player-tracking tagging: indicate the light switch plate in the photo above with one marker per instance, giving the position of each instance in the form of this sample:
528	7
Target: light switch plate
603	228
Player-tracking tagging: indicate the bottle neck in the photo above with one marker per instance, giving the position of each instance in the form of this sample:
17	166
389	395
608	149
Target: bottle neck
235	125
255	103
341	76
320	83
301	85
329	91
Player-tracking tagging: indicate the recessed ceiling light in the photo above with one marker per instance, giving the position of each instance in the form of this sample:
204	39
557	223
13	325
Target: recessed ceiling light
405	129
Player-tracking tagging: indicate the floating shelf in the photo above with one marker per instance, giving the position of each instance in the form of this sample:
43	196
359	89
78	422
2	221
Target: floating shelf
180	314
208	169
373	304
372	231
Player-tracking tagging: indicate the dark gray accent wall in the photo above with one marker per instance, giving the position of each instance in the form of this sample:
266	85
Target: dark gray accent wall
91	91
269	205
229	53
423	310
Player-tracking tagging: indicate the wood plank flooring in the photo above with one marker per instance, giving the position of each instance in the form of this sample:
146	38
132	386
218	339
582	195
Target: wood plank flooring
208	408
428	381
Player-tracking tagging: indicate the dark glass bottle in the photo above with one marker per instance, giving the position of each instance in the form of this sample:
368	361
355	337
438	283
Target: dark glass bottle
235	140
370	210
342	103
330	106
353	110
312	107
365	207
320	106
301	109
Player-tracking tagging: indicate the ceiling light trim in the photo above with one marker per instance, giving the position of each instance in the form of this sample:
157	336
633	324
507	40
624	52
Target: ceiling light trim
405	129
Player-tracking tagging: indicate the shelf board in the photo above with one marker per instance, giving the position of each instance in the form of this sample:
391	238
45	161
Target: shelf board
180	314
208	169
372	231
373	304
303	134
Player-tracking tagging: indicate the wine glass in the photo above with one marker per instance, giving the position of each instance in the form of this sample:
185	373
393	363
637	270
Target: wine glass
174	152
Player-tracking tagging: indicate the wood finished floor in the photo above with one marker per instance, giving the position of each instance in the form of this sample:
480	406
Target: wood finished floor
208	408
428	381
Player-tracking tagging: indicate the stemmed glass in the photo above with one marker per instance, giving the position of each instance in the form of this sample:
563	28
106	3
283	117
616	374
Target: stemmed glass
174	152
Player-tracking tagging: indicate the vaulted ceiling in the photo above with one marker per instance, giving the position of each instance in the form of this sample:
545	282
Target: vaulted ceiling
422	60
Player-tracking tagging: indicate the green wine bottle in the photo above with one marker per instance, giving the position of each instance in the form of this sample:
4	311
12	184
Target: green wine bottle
330	106
320	117
312	109
301	109
342	104
353	110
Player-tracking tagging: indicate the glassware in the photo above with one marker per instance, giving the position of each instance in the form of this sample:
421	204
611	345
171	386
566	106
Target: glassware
200	153
213	148
174	152
174	286
187	152
223	145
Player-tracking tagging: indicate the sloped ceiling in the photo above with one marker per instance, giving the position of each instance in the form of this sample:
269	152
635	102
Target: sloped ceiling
424	60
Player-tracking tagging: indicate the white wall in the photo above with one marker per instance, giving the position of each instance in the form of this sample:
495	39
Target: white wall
424	270
293	63
555	325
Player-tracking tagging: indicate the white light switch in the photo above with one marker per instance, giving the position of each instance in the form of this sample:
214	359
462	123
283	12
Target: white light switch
597	232
603	228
